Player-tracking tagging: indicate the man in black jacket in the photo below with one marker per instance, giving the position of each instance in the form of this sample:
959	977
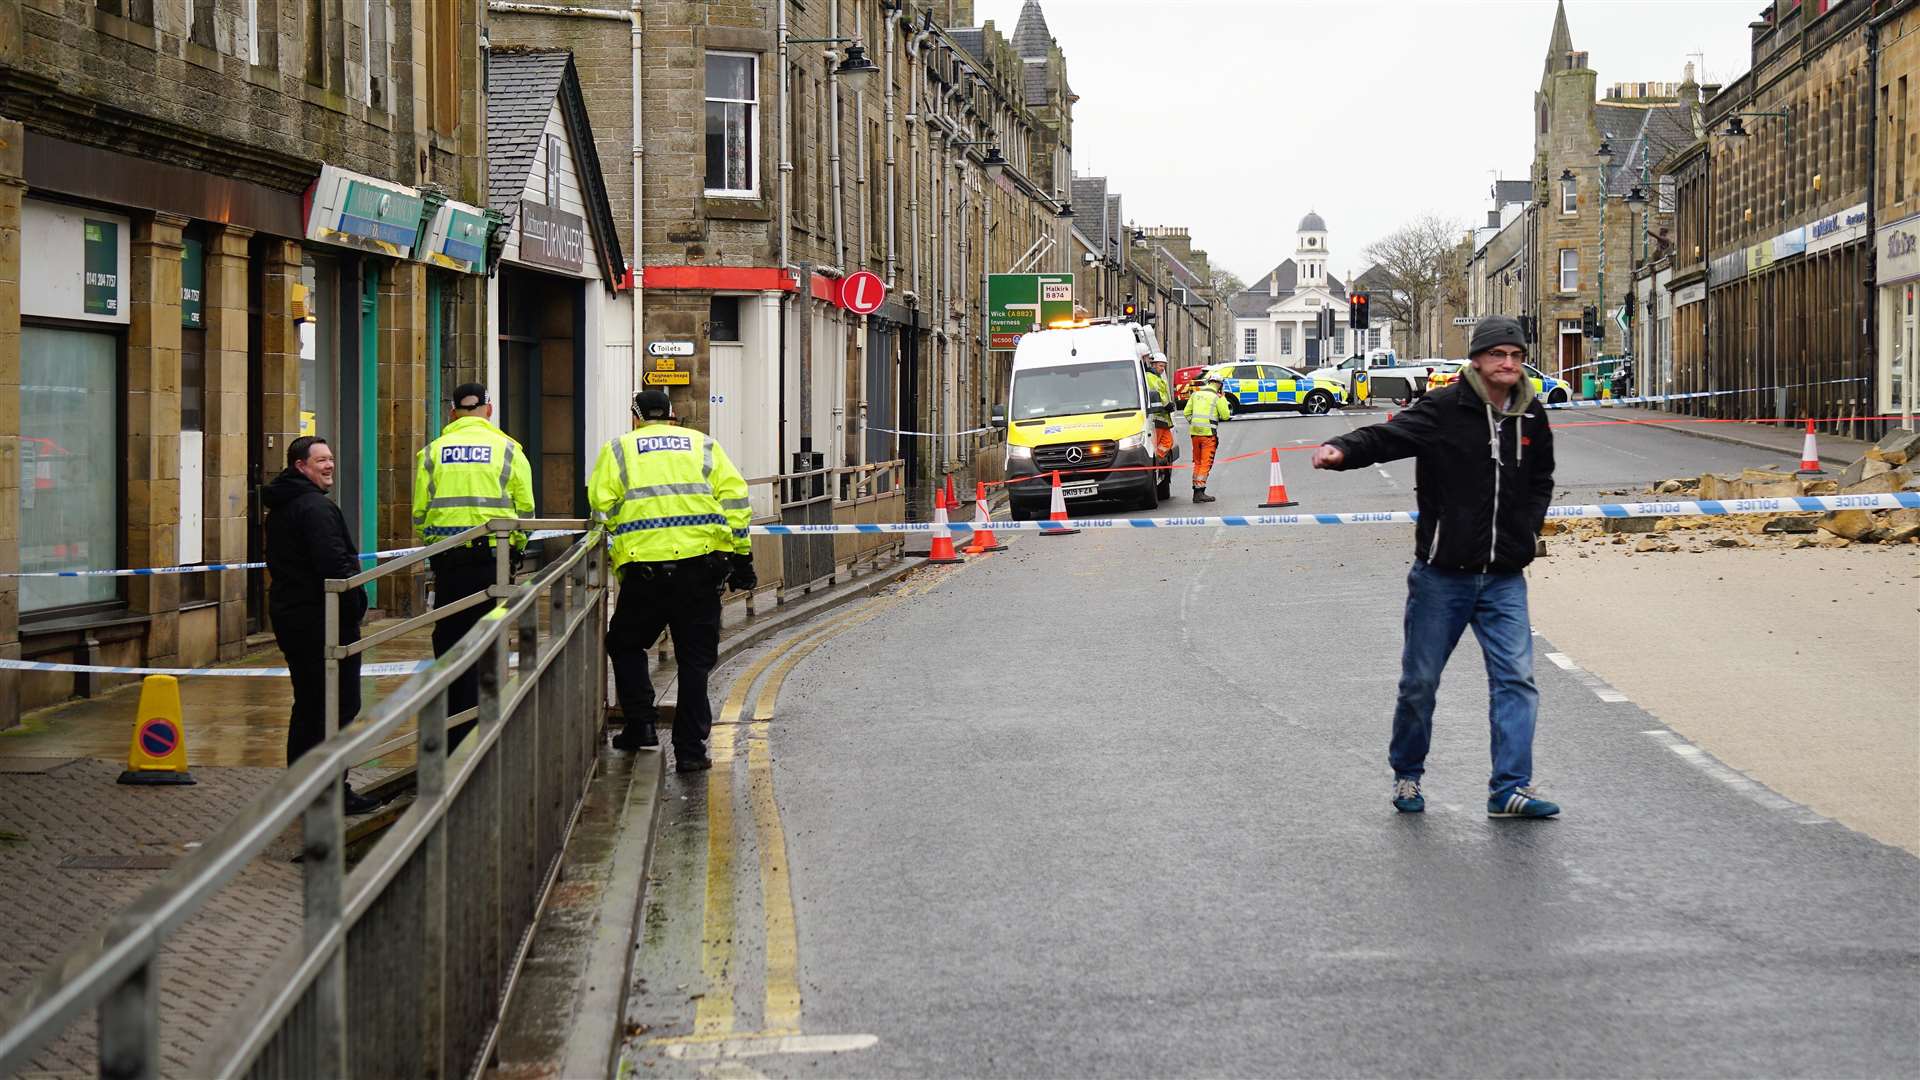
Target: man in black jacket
1484	472
307	543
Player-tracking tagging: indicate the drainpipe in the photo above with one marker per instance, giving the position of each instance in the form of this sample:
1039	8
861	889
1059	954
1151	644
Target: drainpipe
786	218
893	238
639	264
833	133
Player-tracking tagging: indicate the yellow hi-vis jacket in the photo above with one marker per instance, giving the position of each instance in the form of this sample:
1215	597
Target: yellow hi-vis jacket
1204	406
669	493
471	474
1163	416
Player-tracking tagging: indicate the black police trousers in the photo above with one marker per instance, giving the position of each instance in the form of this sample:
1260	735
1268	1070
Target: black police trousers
458	574
683	597
302	640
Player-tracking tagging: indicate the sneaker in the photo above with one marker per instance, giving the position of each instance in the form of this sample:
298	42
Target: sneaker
1407	798
691	764
1521	802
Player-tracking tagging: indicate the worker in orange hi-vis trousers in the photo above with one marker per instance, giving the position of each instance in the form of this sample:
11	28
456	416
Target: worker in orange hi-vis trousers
1206	406
1162	415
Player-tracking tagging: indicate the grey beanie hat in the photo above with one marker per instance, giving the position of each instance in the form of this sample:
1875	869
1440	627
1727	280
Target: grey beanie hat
1496	330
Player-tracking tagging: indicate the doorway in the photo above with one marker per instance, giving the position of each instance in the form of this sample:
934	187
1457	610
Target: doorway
1569	346
542	374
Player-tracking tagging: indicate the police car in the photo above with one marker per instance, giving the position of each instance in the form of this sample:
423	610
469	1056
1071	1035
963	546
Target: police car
1249	386
1550	390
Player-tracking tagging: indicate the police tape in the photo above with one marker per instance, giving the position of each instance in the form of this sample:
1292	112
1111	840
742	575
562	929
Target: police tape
210	568
369	671
1674	508
1612	402
927	434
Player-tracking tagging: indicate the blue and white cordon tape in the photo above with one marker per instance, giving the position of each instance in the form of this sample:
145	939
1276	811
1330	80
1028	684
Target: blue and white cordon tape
369	671
205	568
1676	508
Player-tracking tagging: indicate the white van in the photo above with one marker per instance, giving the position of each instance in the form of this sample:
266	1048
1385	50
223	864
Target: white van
1078	407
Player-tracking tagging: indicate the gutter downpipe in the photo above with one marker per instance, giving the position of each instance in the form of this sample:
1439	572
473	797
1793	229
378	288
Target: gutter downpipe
893	238
786	217
638	18
833	160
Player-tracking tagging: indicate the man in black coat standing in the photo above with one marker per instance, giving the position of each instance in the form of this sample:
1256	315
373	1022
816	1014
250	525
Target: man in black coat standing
1483	470
307	543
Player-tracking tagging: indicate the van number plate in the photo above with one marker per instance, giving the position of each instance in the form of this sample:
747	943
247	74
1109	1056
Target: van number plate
1078	491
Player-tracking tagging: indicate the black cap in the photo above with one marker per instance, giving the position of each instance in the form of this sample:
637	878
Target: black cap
652	405
1494	331
469	395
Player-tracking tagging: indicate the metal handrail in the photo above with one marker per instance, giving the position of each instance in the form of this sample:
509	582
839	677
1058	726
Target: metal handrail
112	968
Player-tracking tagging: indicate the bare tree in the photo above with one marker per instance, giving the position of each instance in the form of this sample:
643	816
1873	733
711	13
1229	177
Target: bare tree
1415	264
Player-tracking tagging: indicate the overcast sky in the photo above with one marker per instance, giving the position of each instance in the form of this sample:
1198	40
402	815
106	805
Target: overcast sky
1236	117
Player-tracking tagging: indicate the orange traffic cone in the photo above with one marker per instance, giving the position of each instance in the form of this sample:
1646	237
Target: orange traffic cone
942	549
1276	485
1810	454
983	538
1059	511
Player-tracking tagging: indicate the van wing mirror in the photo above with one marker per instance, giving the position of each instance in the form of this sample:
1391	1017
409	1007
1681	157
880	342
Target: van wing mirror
999	417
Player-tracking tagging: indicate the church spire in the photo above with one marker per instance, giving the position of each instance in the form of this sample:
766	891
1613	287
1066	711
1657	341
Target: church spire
1561	43
1031	37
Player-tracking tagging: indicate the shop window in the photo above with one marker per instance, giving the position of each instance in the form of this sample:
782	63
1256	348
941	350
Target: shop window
69	465
733	102
723	319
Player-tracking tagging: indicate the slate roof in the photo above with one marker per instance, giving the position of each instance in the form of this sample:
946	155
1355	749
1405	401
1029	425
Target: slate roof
1089	195
973	39
1641	134
1036	82
521	86
1254	302
1030	35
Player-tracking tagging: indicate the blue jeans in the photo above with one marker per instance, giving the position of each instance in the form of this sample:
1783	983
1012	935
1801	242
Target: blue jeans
1441	604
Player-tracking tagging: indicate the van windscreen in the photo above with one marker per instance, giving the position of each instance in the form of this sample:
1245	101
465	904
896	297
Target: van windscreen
1076	388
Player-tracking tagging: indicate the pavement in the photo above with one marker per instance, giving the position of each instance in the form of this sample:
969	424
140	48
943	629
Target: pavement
75	846
1117	803
1786	438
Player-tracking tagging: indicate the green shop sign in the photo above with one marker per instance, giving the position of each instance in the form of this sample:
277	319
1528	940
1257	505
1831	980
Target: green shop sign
193	284
1021	303
102	267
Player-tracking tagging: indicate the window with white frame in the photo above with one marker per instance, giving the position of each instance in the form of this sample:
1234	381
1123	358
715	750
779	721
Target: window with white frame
1286	341
1250	342
1569	197
1373	337
1569	270
733	106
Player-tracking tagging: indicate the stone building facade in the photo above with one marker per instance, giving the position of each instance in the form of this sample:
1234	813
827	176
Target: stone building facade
1592	210
1771	306
1895	42
184	289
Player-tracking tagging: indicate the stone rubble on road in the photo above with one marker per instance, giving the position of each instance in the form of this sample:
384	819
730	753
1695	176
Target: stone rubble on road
1883	470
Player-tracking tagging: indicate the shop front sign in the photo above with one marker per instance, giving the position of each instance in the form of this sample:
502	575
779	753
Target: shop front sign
356	211
1897	251
551	237
1836	229
456	238
75	262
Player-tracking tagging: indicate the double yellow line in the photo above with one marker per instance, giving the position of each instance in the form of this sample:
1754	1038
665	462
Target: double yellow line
714	1015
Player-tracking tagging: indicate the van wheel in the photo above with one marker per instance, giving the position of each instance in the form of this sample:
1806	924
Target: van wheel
1164	489
1317	403
1019	512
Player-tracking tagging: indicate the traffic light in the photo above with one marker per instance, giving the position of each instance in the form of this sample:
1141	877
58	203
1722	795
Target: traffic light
1129	309
1590	321
1357	305
1526	328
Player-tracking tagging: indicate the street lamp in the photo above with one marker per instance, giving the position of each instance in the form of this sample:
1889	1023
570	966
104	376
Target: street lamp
993	164
855	67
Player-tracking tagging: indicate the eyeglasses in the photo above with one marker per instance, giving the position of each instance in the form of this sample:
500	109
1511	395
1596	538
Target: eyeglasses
1507	354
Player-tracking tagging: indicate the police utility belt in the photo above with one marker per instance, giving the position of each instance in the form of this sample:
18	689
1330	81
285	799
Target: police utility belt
714	564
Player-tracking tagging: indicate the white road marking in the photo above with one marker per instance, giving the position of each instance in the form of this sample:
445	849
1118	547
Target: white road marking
1592	682
1733	778
761	1046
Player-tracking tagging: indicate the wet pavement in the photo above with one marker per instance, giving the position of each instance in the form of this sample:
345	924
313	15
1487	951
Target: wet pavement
1117	803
